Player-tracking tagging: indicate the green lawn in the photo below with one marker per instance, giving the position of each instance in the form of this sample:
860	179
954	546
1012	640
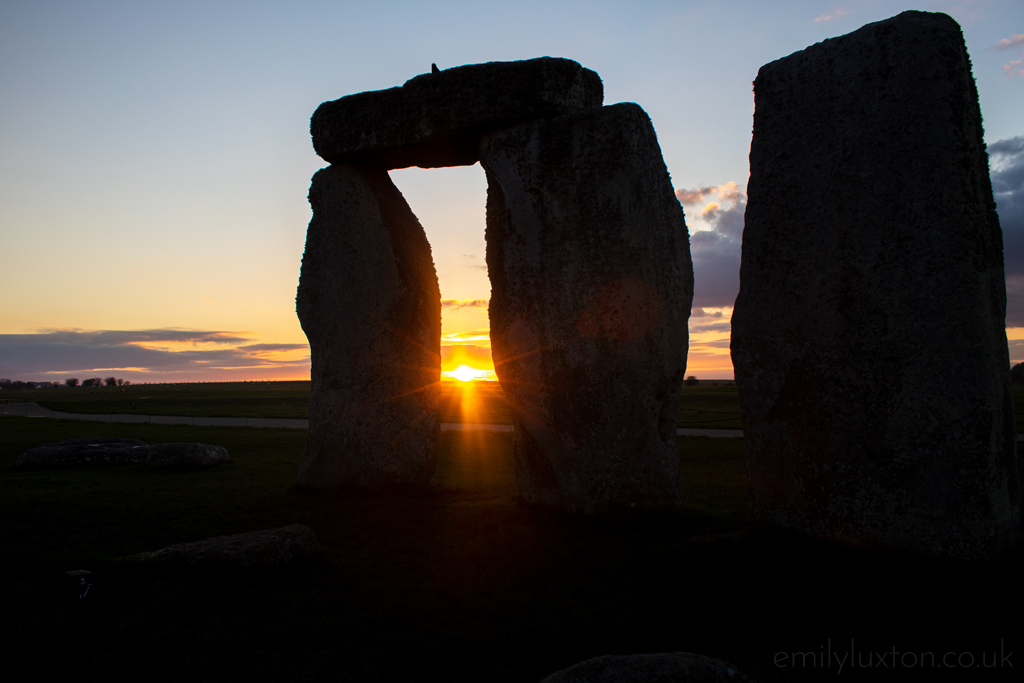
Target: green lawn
458	582
703	406
208	399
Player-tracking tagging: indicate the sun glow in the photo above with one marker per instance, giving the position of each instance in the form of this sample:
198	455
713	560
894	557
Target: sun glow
465	373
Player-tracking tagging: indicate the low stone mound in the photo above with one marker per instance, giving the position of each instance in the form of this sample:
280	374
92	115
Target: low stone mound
665	667
86	451
265	549
186	455
108	451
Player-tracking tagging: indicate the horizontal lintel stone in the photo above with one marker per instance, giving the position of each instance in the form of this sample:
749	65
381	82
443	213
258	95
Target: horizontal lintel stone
437	119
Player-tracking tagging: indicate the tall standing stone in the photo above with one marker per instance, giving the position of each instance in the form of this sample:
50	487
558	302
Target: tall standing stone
868	336
370	305
591	285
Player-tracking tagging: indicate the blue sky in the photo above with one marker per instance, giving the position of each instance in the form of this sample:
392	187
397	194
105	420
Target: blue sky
155	157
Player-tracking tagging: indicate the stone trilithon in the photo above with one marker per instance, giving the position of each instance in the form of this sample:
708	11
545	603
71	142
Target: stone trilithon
592	282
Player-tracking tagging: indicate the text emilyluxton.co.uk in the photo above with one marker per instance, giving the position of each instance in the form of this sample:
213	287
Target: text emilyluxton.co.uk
833	657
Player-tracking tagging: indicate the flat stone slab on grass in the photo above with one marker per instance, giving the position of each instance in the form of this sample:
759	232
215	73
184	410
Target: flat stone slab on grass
437	119
85	451
267	549
666	667
109	451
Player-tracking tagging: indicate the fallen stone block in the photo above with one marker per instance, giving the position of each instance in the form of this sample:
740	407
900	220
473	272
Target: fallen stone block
86	451
668	667
108	451
370	305
265	549
591	286
868	335
437	119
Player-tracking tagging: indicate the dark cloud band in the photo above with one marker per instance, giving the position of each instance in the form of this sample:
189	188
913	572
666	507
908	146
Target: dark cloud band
86	351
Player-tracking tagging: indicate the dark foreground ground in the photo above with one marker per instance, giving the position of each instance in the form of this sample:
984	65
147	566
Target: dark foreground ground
461	581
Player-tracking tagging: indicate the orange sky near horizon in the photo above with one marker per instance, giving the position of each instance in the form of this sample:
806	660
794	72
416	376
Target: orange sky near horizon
708	356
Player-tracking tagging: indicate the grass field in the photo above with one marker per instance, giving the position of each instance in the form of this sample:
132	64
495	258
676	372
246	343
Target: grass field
456	582
702	406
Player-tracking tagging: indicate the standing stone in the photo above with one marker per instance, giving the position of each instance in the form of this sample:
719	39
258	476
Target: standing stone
868	336
591	285
370	305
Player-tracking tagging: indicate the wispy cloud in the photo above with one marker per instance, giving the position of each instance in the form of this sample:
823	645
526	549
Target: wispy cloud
836	14
730	192
114	337
1015	41
464	303
696	195
154	355
1013	68
482	337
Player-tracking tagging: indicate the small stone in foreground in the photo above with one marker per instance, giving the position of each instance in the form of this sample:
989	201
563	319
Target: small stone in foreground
666	667
268	549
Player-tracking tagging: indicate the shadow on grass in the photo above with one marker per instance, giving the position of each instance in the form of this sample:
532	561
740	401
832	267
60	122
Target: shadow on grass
458	581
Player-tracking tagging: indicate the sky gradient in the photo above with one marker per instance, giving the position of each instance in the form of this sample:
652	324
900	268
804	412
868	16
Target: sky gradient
155	159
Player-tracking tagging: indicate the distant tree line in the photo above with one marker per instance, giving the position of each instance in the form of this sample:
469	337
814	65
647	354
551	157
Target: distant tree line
7	384
1017	374
97	382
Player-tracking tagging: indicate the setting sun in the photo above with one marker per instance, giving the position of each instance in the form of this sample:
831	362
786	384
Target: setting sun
465	373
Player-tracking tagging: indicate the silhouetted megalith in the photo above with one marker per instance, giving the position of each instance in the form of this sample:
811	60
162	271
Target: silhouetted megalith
868	336
591	285
369	302
437	119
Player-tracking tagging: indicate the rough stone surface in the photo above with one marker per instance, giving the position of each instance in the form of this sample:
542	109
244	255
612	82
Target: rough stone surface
267	549
370	305
591	285
437	119
86	451
668	667
868	336
186	455
105	451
